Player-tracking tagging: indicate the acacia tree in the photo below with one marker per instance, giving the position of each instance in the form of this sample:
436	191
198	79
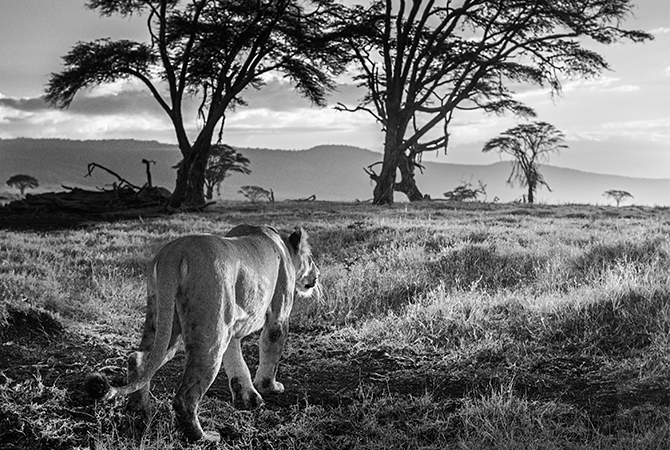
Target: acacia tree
421	61
211	50
617	195
529	145
21	182
466	191
223	160
256	193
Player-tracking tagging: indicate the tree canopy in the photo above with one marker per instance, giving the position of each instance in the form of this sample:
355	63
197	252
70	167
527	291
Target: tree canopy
22	182
211	50
423	61
617	195
256	193
223	161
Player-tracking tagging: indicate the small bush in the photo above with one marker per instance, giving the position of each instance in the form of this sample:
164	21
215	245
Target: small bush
503	421
601	258
483	267
615	325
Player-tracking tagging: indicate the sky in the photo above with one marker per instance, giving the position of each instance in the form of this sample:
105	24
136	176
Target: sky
616	124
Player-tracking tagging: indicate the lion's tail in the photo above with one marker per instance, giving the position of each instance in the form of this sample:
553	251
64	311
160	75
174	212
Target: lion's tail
166	281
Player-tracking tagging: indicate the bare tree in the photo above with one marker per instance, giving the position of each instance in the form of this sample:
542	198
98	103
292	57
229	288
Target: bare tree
529	145
421	61
223	160
257	193
617	195
21	182
466	191
211	50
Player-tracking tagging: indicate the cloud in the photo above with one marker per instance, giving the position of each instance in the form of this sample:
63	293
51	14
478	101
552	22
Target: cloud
308	120
123	97
660	30
23	104
651	130
116	87
125	102
278	94
91	102
600	84
91	118
128	113
301	128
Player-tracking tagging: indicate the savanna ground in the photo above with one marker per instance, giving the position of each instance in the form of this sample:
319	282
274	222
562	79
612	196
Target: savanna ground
465	326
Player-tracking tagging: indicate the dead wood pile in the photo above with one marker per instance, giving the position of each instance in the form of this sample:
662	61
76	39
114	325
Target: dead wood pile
123	196
76	200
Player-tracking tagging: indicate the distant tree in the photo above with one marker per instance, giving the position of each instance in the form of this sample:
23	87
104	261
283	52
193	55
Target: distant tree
529	145
466	191
617	195
21	182
211	51
256	193
223	160
421	61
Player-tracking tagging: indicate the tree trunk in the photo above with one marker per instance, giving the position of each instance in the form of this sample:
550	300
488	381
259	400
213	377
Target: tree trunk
189	189
530	193
383	192
407	183
394	159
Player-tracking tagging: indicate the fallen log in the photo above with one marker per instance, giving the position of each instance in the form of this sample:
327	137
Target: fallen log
77	200
123	200
311	198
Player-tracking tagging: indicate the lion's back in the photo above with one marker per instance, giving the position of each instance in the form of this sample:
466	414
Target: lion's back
252	256
242	271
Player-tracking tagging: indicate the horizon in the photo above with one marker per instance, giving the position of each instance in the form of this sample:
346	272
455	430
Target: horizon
301	174
614	124
316	147
435	161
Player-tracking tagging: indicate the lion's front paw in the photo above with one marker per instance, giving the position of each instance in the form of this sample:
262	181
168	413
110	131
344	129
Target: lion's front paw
244	398
247	400
268	386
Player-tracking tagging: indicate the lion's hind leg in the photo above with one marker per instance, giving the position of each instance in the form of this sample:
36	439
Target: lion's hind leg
245	395
140	401
205	342
201	367
271	344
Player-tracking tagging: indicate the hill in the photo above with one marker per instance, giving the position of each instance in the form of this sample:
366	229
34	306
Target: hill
331	172
55	162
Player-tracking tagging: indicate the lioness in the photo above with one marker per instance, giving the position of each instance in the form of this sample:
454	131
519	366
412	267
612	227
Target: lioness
209	292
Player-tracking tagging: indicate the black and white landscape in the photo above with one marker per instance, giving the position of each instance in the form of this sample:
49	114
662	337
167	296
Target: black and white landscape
330	172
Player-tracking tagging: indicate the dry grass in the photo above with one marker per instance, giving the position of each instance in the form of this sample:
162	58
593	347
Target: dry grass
441	326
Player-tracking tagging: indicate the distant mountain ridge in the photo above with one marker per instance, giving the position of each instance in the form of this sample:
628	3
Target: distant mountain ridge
331	172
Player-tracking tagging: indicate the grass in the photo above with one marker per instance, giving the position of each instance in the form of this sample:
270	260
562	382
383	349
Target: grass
471	326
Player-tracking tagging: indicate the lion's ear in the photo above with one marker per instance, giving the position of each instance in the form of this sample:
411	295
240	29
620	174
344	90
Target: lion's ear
295	238
298	242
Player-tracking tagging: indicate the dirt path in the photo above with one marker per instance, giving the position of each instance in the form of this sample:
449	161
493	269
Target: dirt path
42	366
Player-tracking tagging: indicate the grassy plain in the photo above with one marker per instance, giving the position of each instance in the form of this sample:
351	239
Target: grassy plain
465	326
